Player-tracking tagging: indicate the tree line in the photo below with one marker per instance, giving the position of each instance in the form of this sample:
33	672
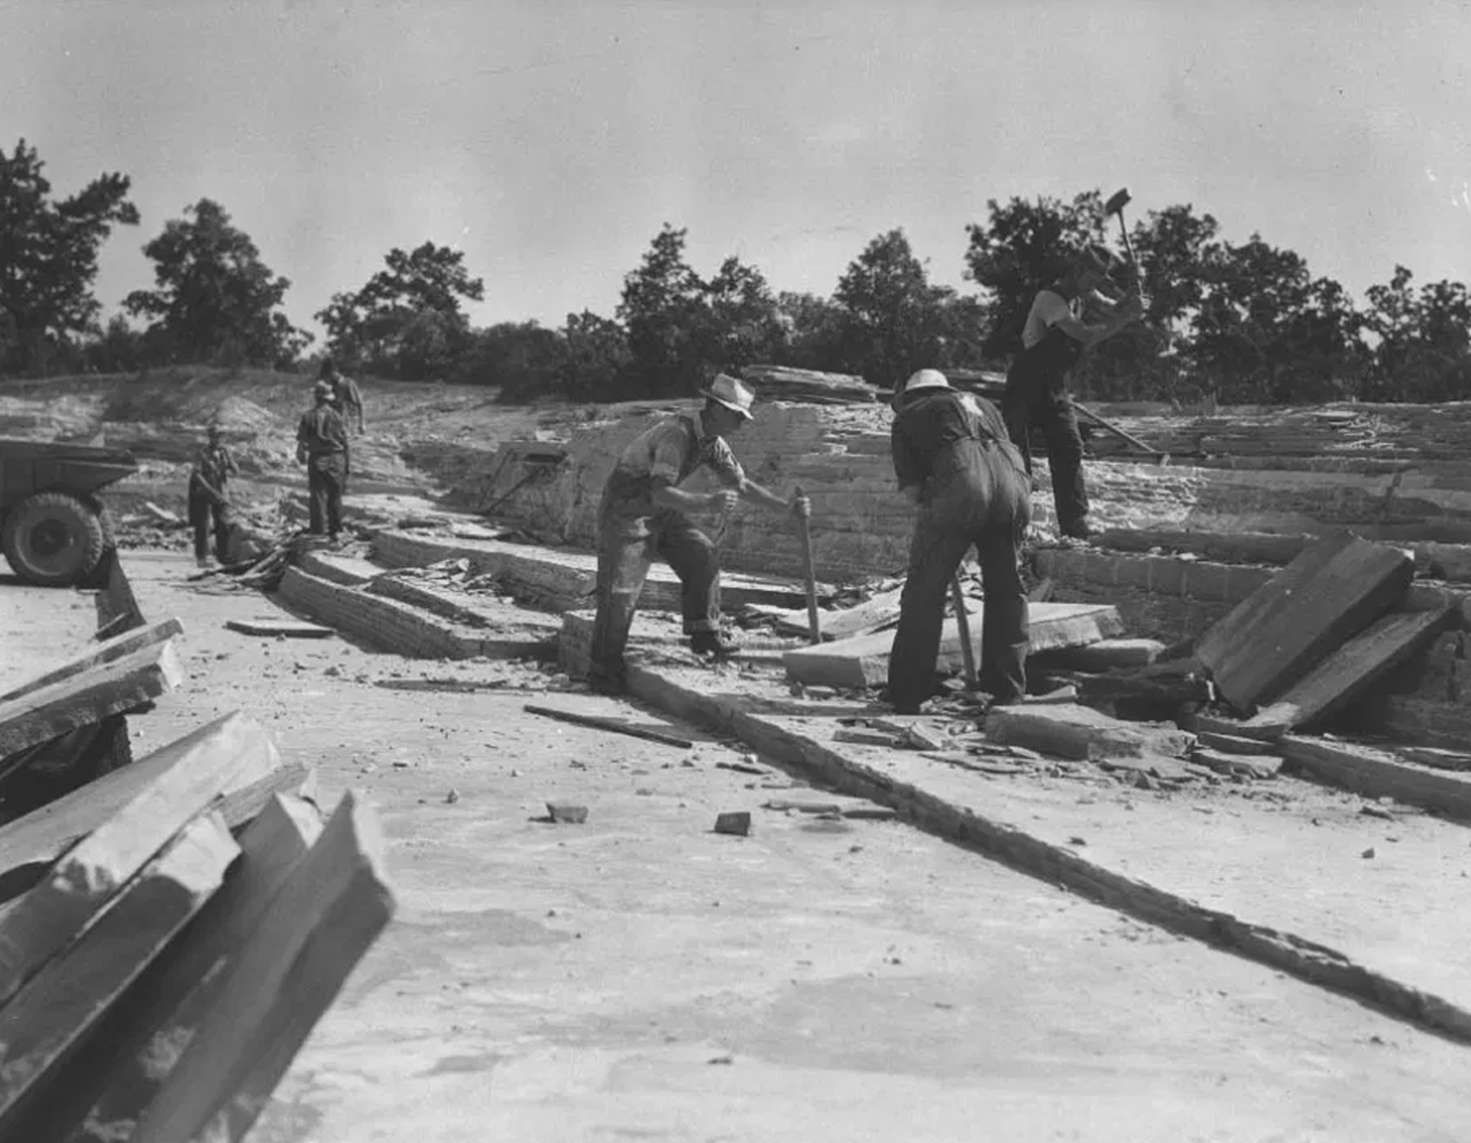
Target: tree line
1239	322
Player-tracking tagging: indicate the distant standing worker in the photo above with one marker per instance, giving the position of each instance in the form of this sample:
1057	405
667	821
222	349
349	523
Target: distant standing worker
642	516
955	463
346	398
208	496
321	445
1053	339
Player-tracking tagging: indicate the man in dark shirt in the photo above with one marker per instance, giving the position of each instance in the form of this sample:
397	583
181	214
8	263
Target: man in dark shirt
321	445
213	466
346	397
1053	339
642	515
954	461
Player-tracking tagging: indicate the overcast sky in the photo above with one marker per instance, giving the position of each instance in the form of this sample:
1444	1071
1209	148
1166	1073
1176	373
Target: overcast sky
550	140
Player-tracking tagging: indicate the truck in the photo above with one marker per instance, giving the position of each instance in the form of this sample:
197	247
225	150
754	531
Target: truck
54	531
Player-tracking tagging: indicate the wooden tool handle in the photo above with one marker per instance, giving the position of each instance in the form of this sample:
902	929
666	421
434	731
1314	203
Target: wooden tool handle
962	622
814	621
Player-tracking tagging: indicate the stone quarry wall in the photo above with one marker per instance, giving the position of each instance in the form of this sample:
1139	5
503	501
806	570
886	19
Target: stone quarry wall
839	455
1339	475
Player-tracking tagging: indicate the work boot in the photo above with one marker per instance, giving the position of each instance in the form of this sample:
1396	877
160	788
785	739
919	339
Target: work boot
604	680
201	561
717	644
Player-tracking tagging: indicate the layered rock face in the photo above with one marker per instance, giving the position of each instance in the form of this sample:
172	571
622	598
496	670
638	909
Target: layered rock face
1298	482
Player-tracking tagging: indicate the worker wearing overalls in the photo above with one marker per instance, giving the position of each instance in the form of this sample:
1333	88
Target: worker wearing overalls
954	461
209	496
1053	339
642	516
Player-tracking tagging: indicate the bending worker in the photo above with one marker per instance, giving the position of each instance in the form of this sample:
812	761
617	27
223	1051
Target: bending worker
955	463
643	515
321	445
1053	339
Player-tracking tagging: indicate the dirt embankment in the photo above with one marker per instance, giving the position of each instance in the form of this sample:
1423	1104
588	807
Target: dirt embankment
421	439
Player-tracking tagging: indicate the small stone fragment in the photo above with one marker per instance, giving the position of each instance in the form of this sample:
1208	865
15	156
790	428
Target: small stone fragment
567	814
737	823
922	738
871	813
1368	853
452	797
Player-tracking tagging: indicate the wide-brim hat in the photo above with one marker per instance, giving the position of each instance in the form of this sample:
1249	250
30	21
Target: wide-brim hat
322	389
1099	259
735	395
926	379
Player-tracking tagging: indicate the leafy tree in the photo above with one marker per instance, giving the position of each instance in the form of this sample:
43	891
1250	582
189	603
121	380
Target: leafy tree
893	321
215	300
596	358
812	331
1423	350
522	358
743	323
48	255
682	328
662	308
406	320
1267	331
119	348
1021	248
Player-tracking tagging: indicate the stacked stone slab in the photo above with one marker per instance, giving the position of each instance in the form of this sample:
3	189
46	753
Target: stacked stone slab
1341	467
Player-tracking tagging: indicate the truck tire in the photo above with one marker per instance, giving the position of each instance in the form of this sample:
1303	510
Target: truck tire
70	762
53	539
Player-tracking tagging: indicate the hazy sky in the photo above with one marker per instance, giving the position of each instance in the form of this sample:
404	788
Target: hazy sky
550	140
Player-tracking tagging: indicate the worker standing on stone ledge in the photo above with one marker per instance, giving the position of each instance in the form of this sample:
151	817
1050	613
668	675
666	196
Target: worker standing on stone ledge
321	445
642	516
209	496
956	464
1053	339
346	397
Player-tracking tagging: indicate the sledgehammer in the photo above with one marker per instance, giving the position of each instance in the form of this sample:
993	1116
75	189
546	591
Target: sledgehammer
1115	205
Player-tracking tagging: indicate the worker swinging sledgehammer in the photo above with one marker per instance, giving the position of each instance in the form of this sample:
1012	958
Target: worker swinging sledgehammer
956	464
1053	339
643	516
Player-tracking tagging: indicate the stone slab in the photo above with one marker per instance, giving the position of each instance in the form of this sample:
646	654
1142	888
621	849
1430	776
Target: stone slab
563	578
864	661
1190	874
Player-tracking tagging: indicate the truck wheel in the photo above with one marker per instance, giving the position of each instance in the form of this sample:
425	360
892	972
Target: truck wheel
53	539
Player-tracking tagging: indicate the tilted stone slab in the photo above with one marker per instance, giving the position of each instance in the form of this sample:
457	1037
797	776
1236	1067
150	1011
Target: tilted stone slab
864	661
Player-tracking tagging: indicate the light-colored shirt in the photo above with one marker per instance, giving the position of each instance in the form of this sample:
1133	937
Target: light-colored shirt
672	450
1048	308
666	455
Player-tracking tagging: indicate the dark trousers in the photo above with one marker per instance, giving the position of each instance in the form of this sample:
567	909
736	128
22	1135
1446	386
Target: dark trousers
326	478
626	550
207	515
1035	398
977	495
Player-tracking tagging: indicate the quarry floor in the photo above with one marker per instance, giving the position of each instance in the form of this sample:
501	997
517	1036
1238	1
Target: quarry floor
639	977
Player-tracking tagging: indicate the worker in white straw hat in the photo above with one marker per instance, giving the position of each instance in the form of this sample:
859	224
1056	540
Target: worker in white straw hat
644	515
956	464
